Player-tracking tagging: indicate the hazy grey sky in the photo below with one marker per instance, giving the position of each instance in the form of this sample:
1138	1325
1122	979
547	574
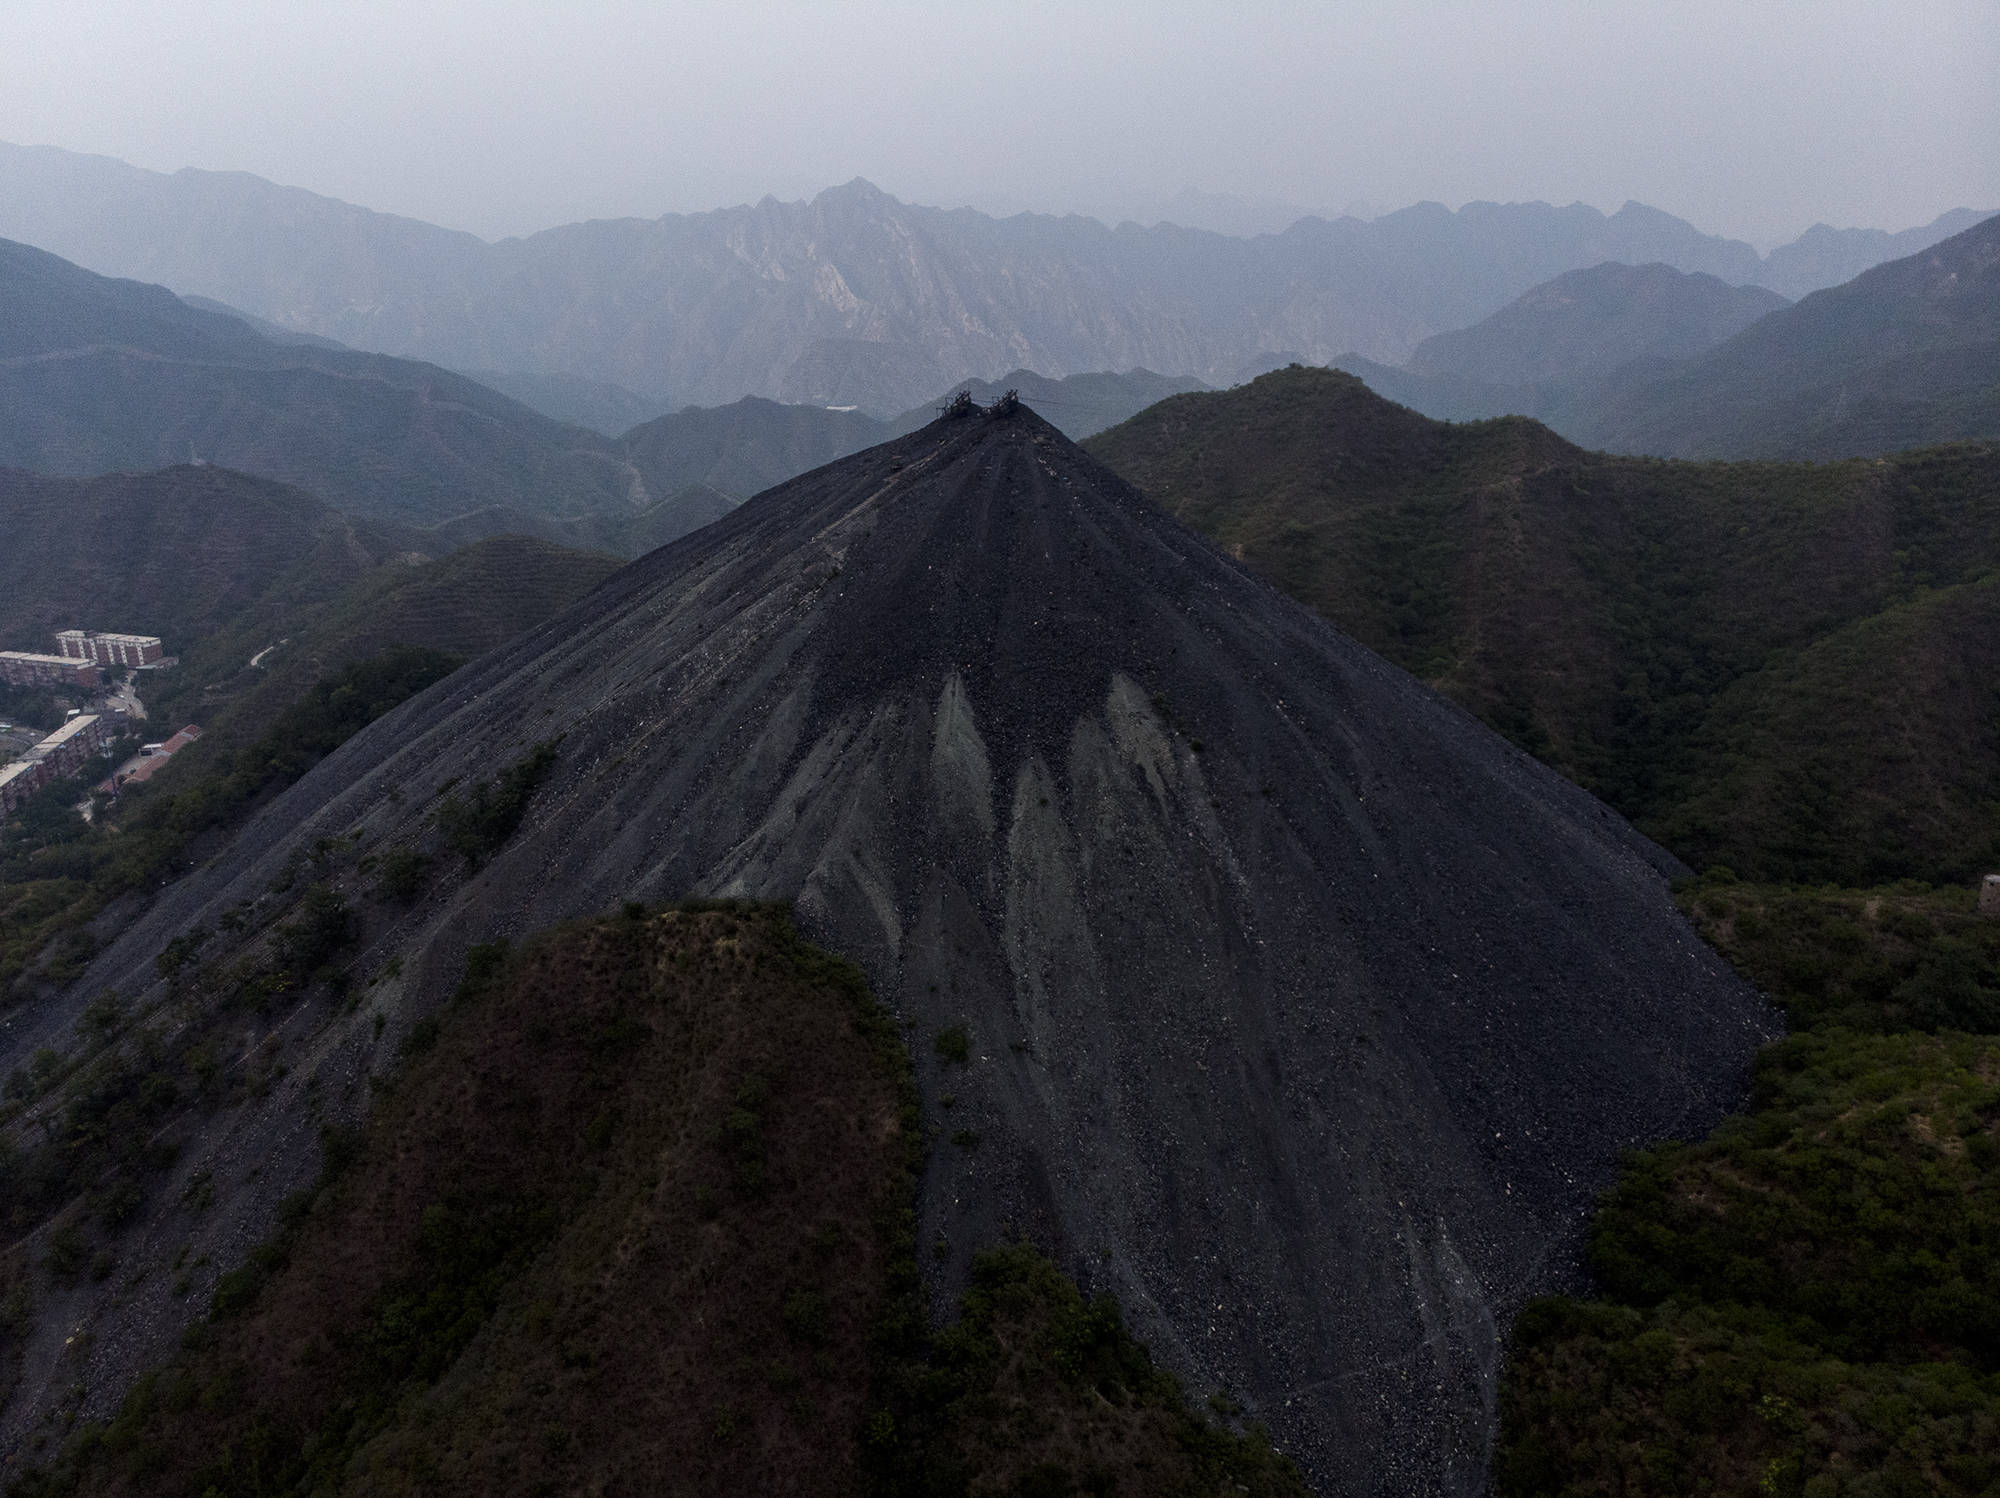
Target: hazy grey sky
1749	117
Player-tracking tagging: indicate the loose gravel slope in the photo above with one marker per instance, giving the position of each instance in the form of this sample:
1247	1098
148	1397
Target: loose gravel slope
1302	1011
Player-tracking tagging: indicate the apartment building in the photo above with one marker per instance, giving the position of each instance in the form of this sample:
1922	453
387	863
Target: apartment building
62	753
109	649
23	668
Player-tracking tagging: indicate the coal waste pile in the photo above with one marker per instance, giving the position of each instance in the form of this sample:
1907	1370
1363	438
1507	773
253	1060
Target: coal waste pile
1295	1007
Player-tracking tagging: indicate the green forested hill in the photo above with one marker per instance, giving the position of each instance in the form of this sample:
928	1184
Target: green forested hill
463	604
1809	640
100	375
180	553
222	565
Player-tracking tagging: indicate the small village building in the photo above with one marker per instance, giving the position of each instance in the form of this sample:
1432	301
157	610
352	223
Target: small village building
146	764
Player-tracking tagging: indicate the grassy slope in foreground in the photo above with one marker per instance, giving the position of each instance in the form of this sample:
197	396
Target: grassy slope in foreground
637	1205
1669	635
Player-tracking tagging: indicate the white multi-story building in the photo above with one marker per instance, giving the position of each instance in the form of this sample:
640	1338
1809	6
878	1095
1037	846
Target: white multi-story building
110	650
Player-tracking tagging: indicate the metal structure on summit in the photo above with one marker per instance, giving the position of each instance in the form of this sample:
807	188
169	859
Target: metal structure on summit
962	404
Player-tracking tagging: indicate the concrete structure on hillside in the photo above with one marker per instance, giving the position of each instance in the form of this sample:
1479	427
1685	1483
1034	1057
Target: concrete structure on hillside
62	753
110	649
147	762
23	668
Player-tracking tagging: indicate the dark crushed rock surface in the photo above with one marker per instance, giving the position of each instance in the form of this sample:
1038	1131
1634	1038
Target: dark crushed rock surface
1306	1014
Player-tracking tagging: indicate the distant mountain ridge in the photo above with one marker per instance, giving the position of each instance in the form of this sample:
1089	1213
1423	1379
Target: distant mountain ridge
1587	323
1904	355
851	299
100	375
1824	256
1546	352
1650	360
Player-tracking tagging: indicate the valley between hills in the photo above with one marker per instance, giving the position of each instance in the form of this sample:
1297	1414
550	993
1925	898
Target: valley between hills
1302	924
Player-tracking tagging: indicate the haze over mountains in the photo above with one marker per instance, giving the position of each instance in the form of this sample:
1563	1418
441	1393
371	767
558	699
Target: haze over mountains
1646	359
1904	355
1587	323
100	375
851	299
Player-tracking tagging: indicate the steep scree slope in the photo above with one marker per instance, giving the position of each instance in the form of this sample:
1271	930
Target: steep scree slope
1303	1012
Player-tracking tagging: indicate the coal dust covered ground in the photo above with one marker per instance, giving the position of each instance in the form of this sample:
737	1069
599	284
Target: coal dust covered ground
1299	1010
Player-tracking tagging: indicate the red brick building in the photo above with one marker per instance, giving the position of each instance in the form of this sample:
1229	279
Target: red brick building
150	760
23	668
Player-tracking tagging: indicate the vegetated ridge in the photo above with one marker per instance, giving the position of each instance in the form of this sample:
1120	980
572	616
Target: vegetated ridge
221	565
1805	1301
99	375
182	553
1904	355
1589	322
1266	989
1786	669
1551	348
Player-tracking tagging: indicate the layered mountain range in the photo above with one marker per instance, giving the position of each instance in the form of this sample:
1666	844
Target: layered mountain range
852	298
1647	359
100	375
1904	355
1268	989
